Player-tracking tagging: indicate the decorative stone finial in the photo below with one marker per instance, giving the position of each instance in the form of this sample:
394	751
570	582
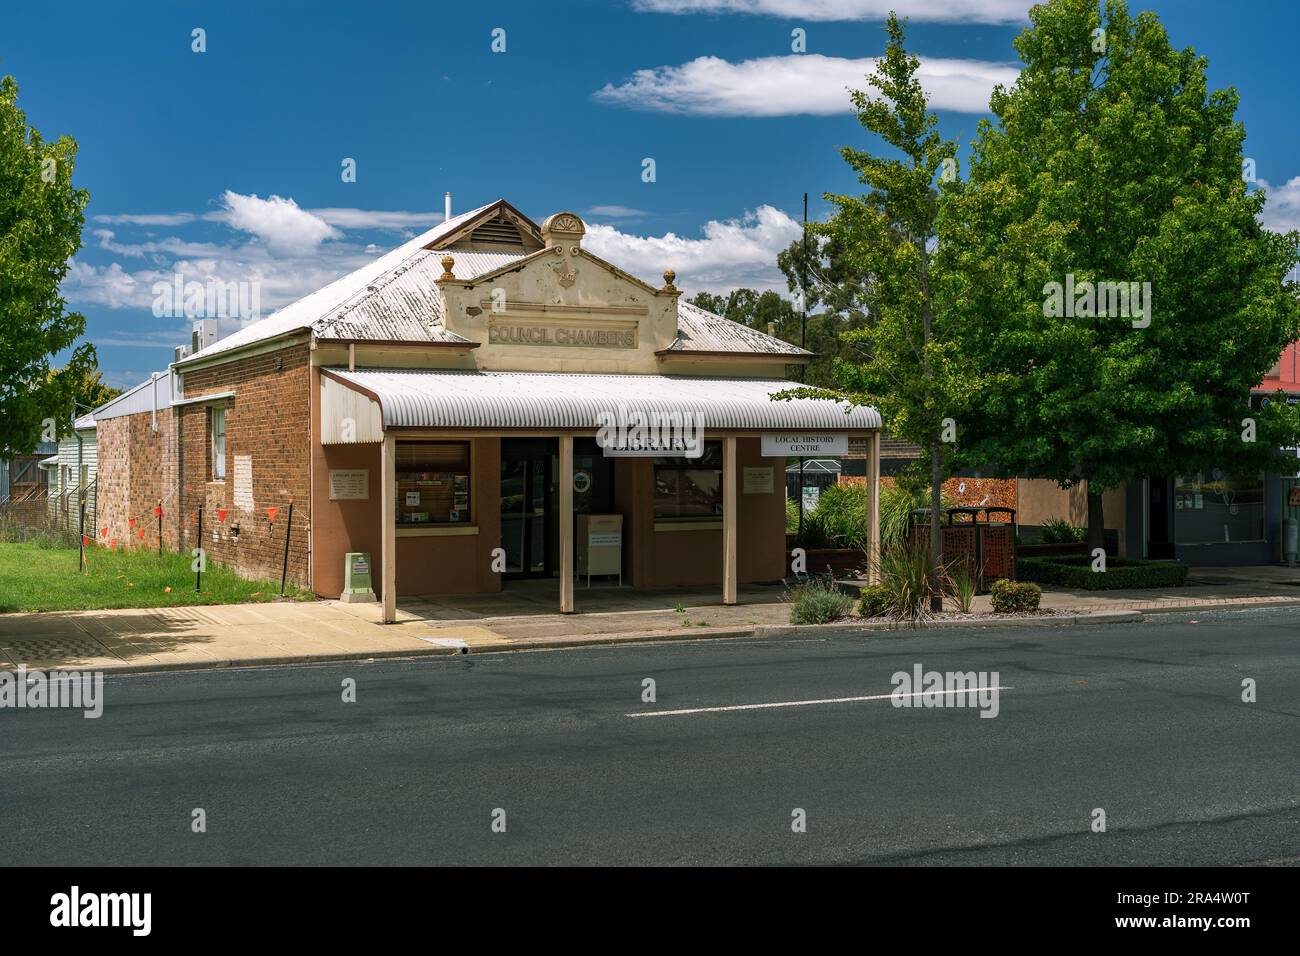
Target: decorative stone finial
447	275
562	228
669	276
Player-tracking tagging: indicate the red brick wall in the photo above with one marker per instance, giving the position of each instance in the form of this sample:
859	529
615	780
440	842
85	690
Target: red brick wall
136	472
269	421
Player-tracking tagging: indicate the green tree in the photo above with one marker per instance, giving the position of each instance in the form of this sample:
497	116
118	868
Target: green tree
41	216
772	313
904	360
92	391
1110	161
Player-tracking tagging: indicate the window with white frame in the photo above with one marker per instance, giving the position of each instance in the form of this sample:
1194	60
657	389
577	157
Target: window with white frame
217	432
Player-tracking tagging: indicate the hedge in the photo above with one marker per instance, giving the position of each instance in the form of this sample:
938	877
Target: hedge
1120	573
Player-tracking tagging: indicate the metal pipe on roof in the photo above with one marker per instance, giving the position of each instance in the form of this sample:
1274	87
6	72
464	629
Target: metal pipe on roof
446	201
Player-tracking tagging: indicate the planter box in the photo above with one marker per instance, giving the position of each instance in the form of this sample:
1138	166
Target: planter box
841	561
1051	550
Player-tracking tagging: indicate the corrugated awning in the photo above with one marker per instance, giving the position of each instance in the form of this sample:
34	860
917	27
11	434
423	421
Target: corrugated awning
479	399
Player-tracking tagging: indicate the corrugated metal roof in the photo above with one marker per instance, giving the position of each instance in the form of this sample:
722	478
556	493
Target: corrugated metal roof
321	304
469	264
138	399
403	305
418	398
701	331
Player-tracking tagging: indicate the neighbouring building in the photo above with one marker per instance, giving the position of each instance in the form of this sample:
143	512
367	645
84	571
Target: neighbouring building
71	482
467	410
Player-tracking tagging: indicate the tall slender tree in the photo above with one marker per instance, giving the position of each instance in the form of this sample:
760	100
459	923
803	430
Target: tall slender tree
905	363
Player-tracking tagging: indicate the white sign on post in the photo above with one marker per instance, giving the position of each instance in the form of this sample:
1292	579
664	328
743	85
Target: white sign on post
805	444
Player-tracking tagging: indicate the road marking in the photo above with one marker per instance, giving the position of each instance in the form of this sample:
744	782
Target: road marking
804	703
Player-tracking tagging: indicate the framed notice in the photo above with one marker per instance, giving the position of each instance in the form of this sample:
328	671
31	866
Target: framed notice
244	482
758	481
349	484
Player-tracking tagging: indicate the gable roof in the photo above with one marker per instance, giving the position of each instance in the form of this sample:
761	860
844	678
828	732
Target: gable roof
702	332
396	297
346	293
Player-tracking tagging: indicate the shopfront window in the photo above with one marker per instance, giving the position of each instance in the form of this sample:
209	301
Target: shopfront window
433	482
1213	508
689	487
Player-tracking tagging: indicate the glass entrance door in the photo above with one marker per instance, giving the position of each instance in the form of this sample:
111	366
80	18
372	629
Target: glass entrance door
528	506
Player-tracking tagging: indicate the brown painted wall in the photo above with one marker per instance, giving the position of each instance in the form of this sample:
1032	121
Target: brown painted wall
459	564
269	421
680	558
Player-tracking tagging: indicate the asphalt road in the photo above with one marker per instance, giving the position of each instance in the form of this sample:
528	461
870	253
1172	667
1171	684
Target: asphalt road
1144	721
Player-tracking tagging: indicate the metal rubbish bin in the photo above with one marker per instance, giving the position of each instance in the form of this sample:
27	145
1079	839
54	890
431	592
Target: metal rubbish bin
1289	541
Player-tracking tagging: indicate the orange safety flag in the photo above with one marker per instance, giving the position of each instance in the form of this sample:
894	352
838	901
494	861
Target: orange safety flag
85	541
141	533
157	512
112	544
271	513
221	514
103	532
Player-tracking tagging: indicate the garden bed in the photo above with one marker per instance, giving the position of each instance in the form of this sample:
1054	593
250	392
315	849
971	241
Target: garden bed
1120	573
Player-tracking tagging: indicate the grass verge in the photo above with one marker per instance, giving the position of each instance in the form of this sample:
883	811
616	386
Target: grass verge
37	577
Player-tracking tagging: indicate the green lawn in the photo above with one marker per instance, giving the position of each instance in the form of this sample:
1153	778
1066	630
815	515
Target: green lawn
36	577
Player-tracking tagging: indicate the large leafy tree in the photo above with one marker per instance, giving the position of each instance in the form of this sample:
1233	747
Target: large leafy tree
41	216
1110	160
903	359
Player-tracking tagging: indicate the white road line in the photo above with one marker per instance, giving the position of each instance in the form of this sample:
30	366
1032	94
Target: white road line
802	703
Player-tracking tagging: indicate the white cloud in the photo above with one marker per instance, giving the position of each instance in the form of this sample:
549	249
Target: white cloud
616	212
378	219
947	11
1282	207
790	85
148	219
731	253
282	224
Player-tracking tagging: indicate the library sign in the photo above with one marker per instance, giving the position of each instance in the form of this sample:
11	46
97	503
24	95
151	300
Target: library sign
805	444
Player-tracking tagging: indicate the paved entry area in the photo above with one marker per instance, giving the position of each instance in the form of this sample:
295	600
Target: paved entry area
528	610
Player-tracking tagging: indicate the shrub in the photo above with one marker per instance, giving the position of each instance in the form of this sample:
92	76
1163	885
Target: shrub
1010	597
875	601
818	602
1073	571
1060	531
962	582
906	572
840	519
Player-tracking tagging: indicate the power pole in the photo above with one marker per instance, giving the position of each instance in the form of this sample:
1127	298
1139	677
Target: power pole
803	333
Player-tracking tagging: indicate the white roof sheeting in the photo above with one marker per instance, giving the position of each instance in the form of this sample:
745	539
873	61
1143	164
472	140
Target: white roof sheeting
701	331
418	398
320	305
140	398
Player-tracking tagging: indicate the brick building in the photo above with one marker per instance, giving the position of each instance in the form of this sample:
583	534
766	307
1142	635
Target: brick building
467	409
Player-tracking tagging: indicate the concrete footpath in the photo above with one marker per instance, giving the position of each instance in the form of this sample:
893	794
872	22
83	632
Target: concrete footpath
521	618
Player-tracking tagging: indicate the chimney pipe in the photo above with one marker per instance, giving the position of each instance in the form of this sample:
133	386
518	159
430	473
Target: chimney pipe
447	207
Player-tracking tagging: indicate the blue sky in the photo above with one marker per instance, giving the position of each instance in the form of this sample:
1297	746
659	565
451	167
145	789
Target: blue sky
182	152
